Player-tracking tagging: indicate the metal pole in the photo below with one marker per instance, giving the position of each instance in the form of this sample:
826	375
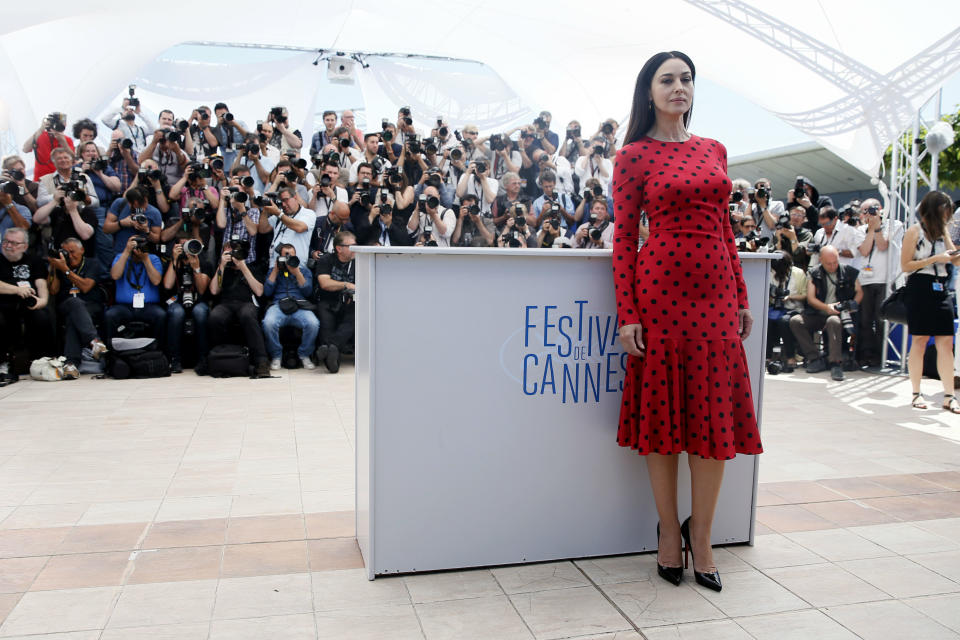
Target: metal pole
935	157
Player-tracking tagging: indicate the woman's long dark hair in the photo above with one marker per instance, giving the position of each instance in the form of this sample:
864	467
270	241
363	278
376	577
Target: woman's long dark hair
642	114
931	217
781	266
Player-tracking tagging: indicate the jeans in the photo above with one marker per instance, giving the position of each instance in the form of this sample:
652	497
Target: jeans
80	329
336	327
176	315
152	313
274	319
246	315
803	327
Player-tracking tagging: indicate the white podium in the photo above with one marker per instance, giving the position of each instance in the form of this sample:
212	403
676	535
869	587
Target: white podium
488	396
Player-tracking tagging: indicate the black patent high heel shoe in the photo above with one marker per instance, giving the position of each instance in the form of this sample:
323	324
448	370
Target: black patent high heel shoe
673	575
709	579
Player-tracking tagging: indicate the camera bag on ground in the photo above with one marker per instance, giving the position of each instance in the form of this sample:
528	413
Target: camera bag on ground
136	358
47	369
228	361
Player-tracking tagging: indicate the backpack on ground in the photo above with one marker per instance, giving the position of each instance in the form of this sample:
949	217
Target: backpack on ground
136	358
228	361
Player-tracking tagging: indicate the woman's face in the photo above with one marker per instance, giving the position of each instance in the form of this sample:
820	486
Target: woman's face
90	152
672	88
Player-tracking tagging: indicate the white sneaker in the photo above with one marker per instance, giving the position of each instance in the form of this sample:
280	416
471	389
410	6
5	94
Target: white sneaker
275	364
308	363
70	372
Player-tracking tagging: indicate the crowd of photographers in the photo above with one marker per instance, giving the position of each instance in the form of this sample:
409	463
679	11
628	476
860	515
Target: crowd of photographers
204	230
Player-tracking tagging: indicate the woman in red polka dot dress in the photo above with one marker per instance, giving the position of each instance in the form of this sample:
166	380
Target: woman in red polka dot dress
683	311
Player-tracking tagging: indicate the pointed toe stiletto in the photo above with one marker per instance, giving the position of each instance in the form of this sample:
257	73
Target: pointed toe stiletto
708	579
673	575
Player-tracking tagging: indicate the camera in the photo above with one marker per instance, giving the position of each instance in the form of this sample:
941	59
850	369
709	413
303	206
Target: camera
53	252
431	202
291	175
846	307
779	296
238	196
414	144
595	192
216	164
607	128
56	121
442	131
325	180
11	188
140	218
277	113
430	145
173	136
126	143
332	158
393	176
481	166
198	170
798	189
289	262
763	193
496	142
247	181
598	149
386	209
540	123
473	210
100	164
573	134
597	233
814	248
228	117
133	101
385	133
456	154
193	247
74	191
783	222
239	249
344	143
252	147
736	197
18	175
140	244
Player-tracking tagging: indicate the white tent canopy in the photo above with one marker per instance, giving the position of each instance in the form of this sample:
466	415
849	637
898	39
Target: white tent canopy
848	74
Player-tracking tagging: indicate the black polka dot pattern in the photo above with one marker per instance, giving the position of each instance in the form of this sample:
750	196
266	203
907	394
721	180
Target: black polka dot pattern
691	391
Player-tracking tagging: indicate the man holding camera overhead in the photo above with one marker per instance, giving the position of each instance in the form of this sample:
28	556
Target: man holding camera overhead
132	215
290	286
290	222
187	278
137	274
48	137
130	122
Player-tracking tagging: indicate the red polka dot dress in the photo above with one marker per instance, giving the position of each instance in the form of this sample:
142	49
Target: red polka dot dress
691	390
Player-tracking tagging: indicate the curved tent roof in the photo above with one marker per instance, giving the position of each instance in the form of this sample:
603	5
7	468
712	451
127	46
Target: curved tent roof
849	74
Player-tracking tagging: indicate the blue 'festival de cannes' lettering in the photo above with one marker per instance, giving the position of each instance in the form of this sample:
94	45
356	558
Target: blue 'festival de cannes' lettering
573	357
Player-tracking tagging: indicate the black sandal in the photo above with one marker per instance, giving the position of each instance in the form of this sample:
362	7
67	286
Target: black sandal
918	402
950	404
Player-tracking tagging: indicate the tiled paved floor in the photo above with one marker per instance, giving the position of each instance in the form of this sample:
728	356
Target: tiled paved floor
226	513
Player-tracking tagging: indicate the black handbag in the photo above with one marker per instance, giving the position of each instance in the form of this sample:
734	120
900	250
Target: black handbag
228	361
894	307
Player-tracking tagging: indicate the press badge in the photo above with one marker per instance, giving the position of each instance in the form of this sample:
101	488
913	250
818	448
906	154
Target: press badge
74	291
938	286
138	300
868	269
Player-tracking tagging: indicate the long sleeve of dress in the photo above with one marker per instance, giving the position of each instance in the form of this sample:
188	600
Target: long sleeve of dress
627	202
742	301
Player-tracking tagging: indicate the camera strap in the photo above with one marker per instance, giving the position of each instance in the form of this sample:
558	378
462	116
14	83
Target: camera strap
135	282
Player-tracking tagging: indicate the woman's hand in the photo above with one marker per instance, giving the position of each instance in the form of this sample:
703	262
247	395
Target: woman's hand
631	337
746	324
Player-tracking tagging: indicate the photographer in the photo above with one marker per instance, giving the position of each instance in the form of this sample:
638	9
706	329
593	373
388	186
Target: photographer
70	219
164	149
411	162
506	156
86	131
371	145
73	283
130	122
598	232
607	131
516	233
327	227
326	192
238	284
286	175
807	196
363	196
788	293
23	304
290	286
384	226
573	146
336	276
229	134
434	178
323	138
531	155
476	181
879	240
44	140
187	277
290	222
282	138
403	194
105	182
121	161
833	295
348	121
549	141
389	149
201	134
432	224
748	238
340	148
238	216
154	184
842	237
554	205
137	274
473	229
64	176
132	215
595	164
193	185
12	215
405	131
766	211
253	160
550	230
14	170
505	201
792	237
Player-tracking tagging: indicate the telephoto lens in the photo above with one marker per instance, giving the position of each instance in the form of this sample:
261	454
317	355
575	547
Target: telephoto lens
193	247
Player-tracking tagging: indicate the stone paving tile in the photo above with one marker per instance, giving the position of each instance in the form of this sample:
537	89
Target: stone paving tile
98	538
484	617
789	518
186	533
83	570
264	558
172	565
76	610
888	619
795	625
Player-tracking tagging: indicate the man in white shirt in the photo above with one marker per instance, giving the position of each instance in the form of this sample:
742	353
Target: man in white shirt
598	232
371	143
832	232
476	181
765	210
431	221
290	223
880	239
595	165
327	191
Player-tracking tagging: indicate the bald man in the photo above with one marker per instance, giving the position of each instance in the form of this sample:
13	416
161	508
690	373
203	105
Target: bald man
831	285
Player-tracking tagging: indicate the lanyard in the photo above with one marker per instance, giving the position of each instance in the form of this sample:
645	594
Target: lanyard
134	283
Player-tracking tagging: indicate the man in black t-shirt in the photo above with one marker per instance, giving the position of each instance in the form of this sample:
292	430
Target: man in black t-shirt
71	219
237	284
187	279
23	303
79	301
336	275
